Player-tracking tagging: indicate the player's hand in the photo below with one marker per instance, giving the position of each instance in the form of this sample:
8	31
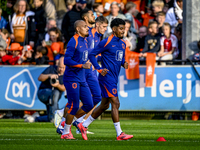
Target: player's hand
104	71
87	65
126	65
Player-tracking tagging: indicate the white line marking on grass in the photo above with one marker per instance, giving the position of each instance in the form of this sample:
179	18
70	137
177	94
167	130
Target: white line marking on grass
172	124
99	140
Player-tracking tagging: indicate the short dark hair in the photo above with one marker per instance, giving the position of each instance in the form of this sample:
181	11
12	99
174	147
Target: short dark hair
116	22
179	1
42	50
84	12
56	30
151	23
101	19
127	21
96	5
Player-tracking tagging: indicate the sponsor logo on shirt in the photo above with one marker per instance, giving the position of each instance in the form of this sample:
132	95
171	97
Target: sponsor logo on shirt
85	55
119	55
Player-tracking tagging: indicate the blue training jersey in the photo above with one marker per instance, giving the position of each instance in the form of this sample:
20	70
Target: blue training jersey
76	55
93	40
112	51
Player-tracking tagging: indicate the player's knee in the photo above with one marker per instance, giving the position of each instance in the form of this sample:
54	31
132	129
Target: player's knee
88	107
96	100
116	104
105	106
73	111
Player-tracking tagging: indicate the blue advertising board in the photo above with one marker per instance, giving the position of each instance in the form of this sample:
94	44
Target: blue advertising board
174	89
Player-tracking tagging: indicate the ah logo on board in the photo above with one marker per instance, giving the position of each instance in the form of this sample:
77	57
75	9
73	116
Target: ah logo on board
19	91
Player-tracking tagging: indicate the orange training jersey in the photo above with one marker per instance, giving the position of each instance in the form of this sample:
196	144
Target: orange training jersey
19	27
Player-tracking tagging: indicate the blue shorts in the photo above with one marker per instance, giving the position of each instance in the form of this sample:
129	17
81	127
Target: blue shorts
75	92
108	89
92	80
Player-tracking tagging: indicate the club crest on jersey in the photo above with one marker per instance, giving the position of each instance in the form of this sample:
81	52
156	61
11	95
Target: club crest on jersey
114	91
74	85
123	46
119	55
85	55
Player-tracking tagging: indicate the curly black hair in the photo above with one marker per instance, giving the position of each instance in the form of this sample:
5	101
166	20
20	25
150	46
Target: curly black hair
116	22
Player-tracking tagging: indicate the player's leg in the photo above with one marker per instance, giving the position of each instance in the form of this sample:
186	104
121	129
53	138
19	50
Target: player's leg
101	108
115	117
93	83
94	86
97	112
60	128
73	101
114	108
86	98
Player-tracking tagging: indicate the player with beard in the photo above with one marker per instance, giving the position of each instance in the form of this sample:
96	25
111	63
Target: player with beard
76	61
93	39
112	50
96	33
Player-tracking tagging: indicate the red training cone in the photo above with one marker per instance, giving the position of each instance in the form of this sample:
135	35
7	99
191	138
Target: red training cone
161	139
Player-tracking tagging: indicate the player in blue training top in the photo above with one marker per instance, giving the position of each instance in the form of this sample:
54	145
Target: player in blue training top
96	33
75	59
93	39
112	50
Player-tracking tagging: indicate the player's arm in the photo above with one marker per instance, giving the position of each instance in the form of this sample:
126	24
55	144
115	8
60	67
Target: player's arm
92	56
97	50
124	63
68	61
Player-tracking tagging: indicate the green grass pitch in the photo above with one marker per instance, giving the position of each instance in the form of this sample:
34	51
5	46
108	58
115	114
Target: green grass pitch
15	134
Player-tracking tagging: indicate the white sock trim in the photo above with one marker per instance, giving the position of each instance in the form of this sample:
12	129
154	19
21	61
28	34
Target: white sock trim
66	129
81	118
118	128
88	121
